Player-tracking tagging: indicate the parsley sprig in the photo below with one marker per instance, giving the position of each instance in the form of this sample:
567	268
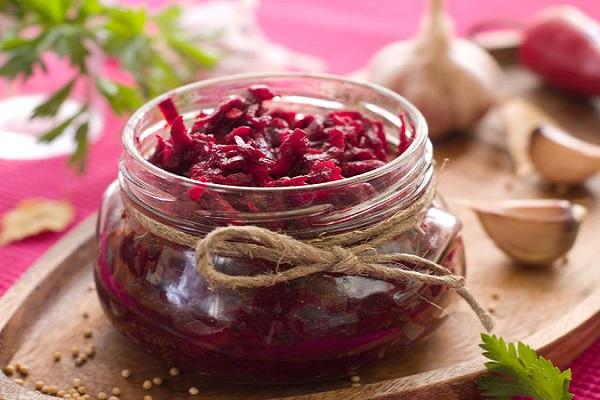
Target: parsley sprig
150	48
516	370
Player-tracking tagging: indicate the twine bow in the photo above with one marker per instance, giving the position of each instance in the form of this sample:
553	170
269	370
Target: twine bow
352	253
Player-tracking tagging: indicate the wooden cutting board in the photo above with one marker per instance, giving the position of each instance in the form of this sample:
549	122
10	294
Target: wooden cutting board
556	310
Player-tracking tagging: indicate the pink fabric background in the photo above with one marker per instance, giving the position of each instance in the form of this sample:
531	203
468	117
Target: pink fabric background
345	33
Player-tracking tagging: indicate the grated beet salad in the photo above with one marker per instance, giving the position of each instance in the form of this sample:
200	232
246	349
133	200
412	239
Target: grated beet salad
323	326
245	142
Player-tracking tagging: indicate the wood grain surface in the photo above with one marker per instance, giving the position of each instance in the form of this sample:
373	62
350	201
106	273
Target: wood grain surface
557	310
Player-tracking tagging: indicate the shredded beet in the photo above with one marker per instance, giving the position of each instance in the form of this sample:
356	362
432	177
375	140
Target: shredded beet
245	143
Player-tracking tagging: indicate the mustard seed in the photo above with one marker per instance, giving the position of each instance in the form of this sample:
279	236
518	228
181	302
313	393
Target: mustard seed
113	398
147	385
45	389
125	373
193	391
75	352
116	391
85	315
39	385
355	378
102	396
23	370
19	382
56	356
76	382
52	390
81	389
174	371
88	334
67	396
157	381
86	397
90	351
9	370
356	384
61	393
147	397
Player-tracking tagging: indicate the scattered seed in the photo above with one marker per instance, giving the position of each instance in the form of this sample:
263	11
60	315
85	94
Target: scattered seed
491	310
88	334
102	396
355	378
19	382
56	356
61	393
81	360
75	352
9	370
23	370
174	371
52	390
193	391
90	351
44	389
116	391
85	315
81	389
495	296
39	385
125	373
147	397
76	382
157	381
147	385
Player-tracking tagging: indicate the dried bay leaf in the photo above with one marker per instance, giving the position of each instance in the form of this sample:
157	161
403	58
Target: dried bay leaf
33	216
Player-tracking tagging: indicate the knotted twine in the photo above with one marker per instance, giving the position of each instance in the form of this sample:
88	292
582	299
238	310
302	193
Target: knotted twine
350	253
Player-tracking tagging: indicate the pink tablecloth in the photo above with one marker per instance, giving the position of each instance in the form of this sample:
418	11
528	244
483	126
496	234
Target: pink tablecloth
344	33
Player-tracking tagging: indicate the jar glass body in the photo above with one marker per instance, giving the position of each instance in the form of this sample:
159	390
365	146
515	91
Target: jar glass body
318	327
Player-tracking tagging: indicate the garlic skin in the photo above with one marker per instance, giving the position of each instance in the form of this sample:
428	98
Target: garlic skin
562	158
533	232
450	80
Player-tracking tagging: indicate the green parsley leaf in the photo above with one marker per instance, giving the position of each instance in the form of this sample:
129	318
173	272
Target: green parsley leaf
519	371
79	157
191	53
120	97
58	130
51	106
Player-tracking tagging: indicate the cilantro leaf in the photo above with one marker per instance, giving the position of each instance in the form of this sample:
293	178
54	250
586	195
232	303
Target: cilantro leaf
517	370
51	106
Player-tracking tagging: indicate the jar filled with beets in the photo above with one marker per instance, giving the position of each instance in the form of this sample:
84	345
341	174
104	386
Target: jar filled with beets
309	156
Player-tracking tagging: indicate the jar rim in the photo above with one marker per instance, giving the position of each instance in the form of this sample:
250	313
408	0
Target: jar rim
416	117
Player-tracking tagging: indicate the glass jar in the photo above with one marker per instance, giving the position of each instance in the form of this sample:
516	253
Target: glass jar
318	327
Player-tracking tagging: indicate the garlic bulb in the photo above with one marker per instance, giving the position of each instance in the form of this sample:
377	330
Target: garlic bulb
450	80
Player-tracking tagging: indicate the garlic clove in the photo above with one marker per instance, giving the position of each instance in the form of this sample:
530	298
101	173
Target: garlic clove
532	231
562	158
520	118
